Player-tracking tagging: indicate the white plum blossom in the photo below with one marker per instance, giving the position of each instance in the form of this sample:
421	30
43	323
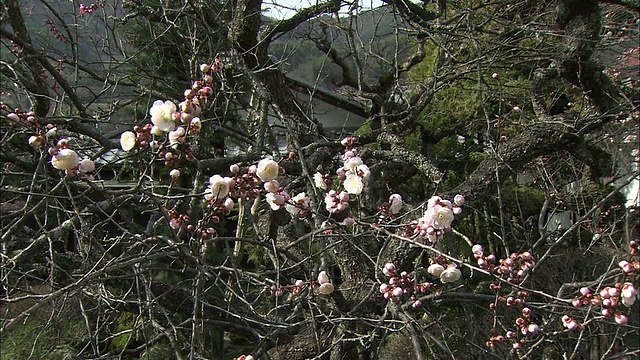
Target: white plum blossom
272	186
351	164
204	67
13	117
156	131
229	203
439	217
65	159
176	136
162	115
35	141
86	165
628	294
336	202
298	203
195	126
450	274
318	180
395	201
364	172
353	184
128	140
325	287
276	200
218	188
174	173
435	269
267	170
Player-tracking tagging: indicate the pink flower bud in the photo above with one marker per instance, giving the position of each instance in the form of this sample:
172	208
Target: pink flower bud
397	292
533	328
389	269
458	200
576	302
628	291
174	223
625	266
572	324
384	288
477	249
614	291
348	221
621	319
585	291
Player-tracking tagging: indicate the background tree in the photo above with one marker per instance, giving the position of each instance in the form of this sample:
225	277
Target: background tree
169	242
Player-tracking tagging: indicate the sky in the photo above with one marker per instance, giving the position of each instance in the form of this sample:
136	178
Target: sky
282	9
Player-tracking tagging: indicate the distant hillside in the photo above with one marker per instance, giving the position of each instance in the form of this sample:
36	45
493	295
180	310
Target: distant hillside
375	32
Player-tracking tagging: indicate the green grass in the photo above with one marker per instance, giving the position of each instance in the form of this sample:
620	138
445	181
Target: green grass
37	339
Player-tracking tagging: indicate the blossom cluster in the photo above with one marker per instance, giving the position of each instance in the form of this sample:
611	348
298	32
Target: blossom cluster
525	327
391	208
322	285
436	220
263	177
403	284
449	274
353	174
610	299
515	267
171	124
64	158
